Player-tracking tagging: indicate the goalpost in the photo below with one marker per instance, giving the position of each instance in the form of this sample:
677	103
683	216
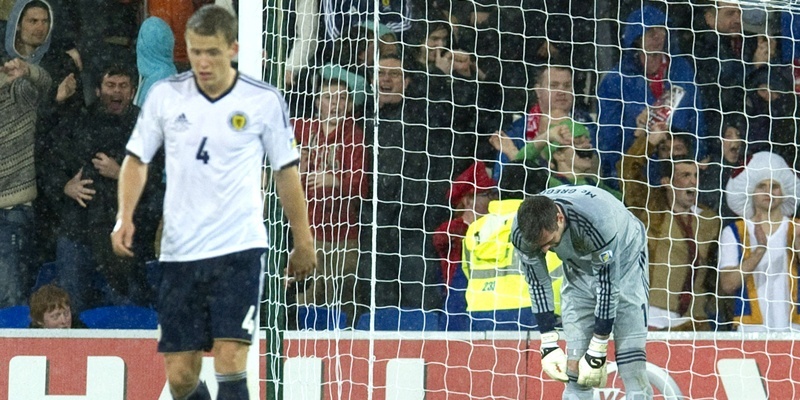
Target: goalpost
326	361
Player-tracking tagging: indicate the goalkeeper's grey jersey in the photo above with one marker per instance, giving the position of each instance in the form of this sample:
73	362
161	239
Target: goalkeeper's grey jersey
603	249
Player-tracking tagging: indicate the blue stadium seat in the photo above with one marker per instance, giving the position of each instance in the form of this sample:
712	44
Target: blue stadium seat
318	318
455	304
120	317
394	319
519	319
48	273
15	317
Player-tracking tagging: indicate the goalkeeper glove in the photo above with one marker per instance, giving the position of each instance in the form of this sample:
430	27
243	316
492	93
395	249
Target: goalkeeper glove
592	366
554	361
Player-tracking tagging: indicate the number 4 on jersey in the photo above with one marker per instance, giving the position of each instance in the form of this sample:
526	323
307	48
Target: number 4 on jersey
202	154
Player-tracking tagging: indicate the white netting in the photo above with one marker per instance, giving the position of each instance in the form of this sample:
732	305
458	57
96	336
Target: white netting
659	102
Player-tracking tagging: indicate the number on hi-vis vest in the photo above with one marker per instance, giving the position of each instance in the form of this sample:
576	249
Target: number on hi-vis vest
488	286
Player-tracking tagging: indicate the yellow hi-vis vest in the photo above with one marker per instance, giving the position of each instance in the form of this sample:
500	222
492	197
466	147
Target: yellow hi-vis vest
494	275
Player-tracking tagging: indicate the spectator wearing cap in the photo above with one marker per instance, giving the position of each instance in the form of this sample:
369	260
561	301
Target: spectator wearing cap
649	72
758	253
576	163
469	196
332	166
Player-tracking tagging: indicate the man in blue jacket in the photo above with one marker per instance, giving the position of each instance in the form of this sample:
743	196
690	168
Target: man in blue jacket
648	69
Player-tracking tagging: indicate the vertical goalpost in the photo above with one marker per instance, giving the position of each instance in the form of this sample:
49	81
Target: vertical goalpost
250	52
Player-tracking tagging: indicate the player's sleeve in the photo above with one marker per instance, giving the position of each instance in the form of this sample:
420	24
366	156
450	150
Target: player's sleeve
540	286
278	136
148	134
602	235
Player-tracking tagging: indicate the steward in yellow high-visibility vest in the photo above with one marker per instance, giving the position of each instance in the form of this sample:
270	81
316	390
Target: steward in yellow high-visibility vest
495	279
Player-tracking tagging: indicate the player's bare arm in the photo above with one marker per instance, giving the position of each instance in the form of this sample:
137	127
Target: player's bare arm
132	177
302	259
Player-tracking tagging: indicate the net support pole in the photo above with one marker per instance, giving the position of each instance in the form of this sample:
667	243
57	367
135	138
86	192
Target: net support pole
250	45
274	295
375	160
250	50
260	28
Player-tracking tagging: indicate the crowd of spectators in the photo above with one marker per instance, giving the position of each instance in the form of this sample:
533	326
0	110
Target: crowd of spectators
667	125
410	118
69	78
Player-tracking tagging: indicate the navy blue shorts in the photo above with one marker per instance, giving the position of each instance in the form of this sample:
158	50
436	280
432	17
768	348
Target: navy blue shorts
203	300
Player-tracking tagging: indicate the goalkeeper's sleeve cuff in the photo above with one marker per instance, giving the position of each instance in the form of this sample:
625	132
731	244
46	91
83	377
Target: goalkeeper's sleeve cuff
546	321
602	327
597	347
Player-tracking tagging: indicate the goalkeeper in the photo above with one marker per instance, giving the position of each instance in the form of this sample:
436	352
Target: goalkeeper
604	250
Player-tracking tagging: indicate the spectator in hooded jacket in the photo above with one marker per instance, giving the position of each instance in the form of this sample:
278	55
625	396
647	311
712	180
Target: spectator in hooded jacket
31	35
154	58
648	70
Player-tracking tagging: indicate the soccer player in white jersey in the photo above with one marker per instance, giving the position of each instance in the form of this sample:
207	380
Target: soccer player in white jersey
216	125
606	285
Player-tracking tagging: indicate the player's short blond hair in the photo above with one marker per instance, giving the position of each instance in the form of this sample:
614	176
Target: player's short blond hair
211	20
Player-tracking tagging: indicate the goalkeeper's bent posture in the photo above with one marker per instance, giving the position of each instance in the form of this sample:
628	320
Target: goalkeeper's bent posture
215	125
604	250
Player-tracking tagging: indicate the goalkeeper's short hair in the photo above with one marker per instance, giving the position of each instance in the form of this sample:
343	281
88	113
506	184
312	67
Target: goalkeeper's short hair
537	214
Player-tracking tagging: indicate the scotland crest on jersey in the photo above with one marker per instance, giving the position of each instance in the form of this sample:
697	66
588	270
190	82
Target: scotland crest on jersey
238	121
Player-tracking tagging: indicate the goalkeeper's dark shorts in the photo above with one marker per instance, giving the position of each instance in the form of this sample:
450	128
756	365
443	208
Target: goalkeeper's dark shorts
216	298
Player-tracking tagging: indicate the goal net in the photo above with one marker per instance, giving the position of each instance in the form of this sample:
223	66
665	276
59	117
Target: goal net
420	122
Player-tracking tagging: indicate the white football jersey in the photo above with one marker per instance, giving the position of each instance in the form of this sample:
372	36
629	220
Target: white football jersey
214	162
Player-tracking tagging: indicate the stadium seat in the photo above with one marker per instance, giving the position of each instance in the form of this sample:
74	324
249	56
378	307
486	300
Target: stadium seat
120	317
394	319
15	317
320	318
521	319
48	273
455	304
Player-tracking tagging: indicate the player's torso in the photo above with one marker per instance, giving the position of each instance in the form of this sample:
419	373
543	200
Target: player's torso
574	252
210	137
214	163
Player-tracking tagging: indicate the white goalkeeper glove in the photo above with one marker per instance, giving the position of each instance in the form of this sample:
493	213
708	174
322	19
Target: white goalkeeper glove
592	366
554	361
